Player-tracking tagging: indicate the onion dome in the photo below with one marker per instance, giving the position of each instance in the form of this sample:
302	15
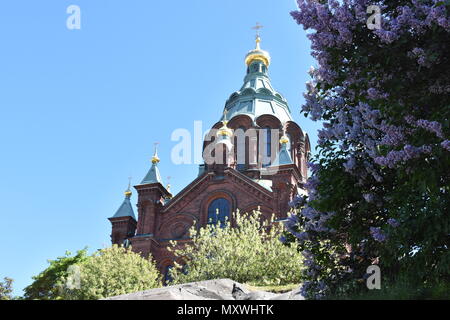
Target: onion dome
284	140
257	96
257	54
224	130
224	135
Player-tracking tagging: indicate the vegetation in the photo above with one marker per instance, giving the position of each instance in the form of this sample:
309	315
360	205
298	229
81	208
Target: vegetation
108	272
379	192
49	283
6	289
249	252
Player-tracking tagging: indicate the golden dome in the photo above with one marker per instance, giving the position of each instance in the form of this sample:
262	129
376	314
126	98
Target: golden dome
284	139
257	54
155	158
128	193
224	130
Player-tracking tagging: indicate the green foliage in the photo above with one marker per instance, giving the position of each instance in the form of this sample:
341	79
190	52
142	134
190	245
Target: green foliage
47	285
402	289
108	272
114	271
246	250
6	289
380	188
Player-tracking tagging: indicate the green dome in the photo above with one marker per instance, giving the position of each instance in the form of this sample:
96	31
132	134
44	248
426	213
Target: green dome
257	96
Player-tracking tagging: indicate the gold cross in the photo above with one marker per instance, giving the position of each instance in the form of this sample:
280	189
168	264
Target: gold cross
225	112
129	182
257	28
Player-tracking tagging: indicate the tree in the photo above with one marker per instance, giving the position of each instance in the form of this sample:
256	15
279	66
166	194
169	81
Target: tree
49	283
379	189
6	289
115	271
249	251
107	272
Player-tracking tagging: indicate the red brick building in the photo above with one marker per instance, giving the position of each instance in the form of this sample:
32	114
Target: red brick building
255	156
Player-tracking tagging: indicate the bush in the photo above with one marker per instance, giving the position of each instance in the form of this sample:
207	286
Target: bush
113	271
247	252
108	272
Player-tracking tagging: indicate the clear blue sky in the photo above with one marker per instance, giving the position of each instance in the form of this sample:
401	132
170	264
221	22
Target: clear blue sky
80	109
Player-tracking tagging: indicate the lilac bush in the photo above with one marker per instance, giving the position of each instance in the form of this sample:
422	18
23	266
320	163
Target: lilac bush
379	186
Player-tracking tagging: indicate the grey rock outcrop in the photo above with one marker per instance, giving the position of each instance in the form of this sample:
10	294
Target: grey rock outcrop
221	289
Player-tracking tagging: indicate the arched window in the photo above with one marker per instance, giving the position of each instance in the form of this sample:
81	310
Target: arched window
268	146
218	211
167	276
240	149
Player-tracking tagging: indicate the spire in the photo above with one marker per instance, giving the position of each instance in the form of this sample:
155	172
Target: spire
128	192
126	209
283	157
224	134
257	54
153	175
224	131
168	187
257	38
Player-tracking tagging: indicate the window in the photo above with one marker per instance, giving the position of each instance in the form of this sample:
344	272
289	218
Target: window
240	150
268	145
167	277
246	106
219	211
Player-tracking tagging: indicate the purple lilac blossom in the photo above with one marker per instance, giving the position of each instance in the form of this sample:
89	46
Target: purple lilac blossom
392	222
377	234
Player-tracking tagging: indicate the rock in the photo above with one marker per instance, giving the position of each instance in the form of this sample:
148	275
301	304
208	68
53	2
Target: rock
220	289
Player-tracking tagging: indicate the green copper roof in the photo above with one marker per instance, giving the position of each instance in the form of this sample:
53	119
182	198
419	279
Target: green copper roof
153	175
257	97
125	209
283	156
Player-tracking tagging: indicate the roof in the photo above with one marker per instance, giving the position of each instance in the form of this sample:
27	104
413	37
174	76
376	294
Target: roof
153	175
283	157
125	209
257	97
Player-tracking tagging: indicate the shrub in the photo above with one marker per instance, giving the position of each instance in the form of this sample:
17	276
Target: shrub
114	271
108	272
248	251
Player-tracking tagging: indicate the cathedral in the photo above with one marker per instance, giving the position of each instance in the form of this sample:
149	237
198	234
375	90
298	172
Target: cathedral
254	157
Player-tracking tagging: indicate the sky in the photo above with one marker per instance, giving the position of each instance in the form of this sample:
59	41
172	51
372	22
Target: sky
80	109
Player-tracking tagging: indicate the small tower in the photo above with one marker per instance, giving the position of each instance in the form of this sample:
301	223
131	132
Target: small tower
151	196
123	222
285	177
224	147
